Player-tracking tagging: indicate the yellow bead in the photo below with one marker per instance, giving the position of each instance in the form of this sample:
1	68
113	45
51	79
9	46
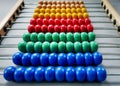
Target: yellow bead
63	10
58	16
74	15
35	15
41	15
63	15
69	15
52	15
85	15
83	10
52	10
37	10
78	10
47	15
73	10
58	10
68	10
80	15
47	10
42	10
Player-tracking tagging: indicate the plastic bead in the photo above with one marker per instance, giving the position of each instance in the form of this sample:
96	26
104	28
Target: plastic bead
54	47
44	28
46	47
80	59
93	46
33	37
97	56
44	59
48	37
31	28
71	59
63	28
50	28
86	46
38	47
69	47
91	36
62	59
77	37
35	59
62	37
41	37
70	37
77	47
61	47
26	37
39	21
88	59
26	59
22	46
53	57
84	36
37	28
30	47
55	37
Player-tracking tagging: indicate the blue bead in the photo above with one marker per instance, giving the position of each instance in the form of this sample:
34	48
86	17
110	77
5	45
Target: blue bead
80	59
29	74
88	59
71	59
60	74
50	74
80	74
19	74
97	56
17	58
70	74
62	59
9	73
44	59
101	73
91	74
35	59
53	59
26	59
39	74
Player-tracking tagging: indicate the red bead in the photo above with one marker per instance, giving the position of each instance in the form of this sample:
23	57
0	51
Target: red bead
45	21
87	21
50	28
81	21
33	21
70	28
90	28
39	21
44	28
31	28
63	28
37	28
75	21
51	21
57	28
83	28
57	22
63	21
69	22
76	28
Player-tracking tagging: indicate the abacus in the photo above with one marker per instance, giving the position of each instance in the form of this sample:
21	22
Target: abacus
63	42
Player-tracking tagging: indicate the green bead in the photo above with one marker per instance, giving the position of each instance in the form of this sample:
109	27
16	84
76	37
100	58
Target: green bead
30	47
48	37
69	47
46	47
70	37
62	37
55	37
26	37
61	47
54	47
84	36
86	46
38	47
91	36
93	46
22	46
41	37
77	37
77	47
33	37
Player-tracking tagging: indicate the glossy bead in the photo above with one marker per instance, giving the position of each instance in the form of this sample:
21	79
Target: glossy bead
50	74
91	74
56	28
47	15
78	10
63	15
41	15
41	37
39	21
31	28
48	37
54	47
77	37
39	74
63	28
101	73
35	15
19	74
69	16
75	21
87	21
63	21
44	28
38	47
26	37
29	74
57	21
63	10
35	59
9	73
68	10
73	10
71	59
69	22
90	28
80	74
44	59
55	37
61	47
70	74
46	47
83	28
30	47
51	22
70	37
53	57
86	46
58	15
88	59
62	59
58	10
17	58
93	46
33	21
47	10
22	46
42	10
78	47
91	36
69	47
80	15
37	28
26	59
85	15
97	57
76	28
80	59
60	74
45	21
74	15
81	22
33	37
62	37
84	36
